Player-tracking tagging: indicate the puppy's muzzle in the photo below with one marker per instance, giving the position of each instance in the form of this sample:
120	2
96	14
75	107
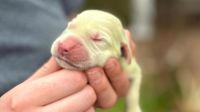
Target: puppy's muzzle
72	50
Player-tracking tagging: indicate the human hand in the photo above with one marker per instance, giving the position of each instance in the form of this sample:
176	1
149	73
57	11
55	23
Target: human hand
110	82
51	89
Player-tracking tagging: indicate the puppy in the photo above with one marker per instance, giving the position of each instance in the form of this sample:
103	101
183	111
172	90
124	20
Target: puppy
89	40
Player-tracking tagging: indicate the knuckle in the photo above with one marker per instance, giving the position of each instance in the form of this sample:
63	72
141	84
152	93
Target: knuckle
15	105
6	104
96	78
93	71
99	84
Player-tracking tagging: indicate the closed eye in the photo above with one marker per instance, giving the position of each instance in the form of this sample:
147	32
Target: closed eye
96	37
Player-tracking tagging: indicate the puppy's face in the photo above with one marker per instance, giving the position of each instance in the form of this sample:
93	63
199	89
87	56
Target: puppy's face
87	42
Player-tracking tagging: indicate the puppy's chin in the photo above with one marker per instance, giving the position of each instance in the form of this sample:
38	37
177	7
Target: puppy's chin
71	66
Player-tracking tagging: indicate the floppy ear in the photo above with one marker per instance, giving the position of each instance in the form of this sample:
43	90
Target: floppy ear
126	52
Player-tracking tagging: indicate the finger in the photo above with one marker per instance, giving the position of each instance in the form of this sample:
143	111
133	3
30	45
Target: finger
78	102
106	96
50	88
131	42
49	67
118	79
92	109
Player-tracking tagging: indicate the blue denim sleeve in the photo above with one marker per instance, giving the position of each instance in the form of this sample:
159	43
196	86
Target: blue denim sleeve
27	29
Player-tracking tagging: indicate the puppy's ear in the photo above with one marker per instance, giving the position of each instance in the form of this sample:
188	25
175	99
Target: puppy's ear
126	53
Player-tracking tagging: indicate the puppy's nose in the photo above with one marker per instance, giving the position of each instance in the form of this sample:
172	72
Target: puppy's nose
68	45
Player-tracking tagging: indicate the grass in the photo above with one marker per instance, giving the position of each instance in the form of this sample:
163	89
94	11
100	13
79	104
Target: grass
157	95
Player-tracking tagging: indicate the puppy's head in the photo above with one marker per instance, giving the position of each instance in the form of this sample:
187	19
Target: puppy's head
89	40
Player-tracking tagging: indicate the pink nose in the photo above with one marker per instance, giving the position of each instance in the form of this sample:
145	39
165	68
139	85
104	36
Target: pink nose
72	49
68	45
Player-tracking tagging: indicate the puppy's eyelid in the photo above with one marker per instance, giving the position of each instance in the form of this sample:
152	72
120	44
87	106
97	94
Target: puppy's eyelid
96	37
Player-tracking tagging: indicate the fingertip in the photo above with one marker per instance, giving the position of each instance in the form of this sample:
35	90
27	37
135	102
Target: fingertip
112	67
111	63
91	93
50	66
53	63
108	103
127	32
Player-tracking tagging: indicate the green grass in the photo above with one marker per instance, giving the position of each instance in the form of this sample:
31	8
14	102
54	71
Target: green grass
157	95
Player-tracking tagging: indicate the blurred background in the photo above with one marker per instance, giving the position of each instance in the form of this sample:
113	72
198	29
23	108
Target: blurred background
167	35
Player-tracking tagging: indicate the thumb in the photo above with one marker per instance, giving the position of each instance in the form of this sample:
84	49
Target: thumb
49	67
131	41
